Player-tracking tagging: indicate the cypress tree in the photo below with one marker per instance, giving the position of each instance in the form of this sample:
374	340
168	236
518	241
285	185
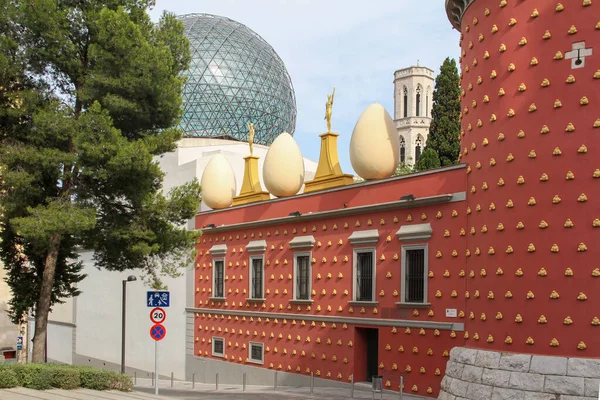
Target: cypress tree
89	94
444	132
428	160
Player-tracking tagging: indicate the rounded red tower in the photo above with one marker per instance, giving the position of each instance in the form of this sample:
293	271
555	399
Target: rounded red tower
530	133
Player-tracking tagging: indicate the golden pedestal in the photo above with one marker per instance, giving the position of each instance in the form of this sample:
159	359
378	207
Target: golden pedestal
329	173
251	191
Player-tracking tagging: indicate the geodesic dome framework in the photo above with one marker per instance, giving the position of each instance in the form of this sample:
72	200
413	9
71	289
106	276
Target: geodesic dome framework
235	77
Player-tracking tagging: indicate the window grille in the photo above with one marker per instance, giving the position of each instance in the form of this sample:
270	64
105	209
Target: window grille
415	276
257	278
364	276
303	278
218	290
218	346
256	352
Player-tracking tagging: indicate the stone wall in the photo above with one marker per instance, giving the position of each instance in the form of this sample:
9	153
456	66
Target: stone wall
489	375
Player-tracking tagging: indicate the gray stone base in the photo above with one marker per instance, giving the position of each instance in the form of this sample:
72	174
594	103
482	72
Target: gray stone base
489	375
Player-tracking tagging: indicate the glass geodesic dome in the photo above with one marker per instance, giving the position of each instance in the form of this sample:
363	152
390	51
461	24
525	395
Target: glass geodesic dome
235	77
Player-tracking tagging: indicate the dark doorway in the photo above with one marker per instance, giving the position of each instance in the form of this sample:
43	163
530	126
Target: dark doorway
371	336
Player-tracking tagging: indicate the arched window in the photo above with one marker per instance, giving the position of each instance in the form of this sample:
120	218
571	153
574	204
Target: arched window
418	101
427	105
418	144
402	149
405	102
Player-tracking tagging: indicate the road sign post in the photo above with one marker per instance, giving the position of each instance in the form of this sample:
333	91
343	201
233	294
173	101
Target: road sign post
157	300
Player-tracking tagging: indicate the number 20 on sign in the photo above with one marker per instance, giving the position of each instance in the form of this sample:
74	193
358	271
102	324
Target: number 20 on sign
158	315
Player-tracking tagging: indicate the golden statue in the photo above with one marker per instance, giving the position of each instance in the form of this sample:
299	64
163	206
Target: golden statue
250	135
328	107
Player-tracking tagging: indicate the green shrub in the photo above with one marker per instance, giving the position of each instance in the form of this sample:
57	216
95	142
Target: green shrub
47	376
63	377
8	378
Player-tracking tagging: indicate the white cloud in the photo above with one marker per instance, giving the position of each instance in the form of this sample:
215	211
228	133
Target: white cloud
355	45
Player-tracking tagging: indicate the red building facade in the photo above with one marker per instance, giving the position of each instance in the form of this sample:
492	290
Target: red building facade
335	333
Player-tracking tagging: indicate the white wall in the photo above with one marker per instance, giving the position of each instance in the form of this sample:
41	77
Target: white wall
60	343
8	331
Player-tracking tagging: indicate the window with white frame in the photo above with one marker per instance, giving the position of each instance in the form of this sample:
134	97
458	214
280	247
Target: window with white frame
414	263
218	347
363	265
414	276
303	274
256	352
257	277
219	277
364	273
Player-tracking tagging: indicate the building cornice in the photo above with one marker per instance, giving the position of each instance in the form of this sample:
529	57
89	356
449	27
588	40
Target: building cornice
342	212
455	9
338	189
398	323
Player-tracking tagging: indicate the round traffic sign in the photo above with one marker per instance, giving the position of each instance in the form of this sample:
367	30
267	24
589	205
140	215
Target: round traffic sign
158	315
158	332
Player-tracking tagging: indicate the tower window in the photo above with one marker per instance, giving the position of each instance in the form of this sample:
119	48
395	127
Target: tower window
427	105
405	102
418	101
402	149
418	148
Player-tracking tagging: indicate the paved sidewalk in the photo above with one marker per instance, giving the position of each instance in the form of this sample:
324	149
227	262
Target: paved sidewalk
79	394
183	390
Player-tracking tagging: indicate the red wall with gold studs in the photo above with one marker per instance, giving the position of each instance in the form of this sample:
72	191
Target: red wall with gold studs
531	138
294	344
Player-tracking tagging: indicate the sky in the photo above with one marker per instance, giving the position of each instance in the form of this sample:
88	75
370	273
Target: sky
354	45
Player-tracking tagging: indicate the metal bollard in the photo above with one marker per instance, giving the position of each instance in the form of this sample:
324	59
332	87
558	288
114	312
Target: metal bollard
312	383
193	380
401	387
352	387
244	382
217	382
153	379
171	380
275	381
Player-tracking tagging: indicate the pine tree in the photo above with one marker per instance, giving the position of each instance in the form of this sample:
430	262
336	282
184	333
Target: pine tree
89	94
444	132
428	160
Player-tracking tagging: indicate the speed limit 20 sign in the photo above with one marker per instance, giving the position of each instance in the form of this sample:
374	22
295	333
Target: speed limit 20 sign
158	315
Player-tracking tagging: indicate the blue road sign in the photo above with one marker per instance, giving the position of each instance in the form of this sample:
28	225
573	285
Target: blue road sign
158	299
19	342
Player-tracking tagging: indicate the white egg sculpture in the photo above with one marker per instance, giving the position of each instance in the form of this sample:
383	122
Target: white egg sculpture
283	168
374	146
218	183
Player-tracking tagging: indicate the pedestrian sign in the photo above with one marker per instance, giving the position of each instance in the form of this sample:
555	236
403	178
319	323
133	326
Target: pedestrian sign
158	299
19	342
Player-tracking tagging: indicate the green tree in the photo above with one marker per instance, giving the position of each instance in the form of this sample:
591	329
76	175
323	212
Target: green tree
444	132
428	160
89	94
403	169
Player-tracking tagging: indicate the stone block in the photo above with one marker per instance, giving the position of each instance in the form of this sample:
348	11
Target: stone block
472	373
540	396
548	365
463	355
454	369
507	394
487	359
458	387
585	367
526	381
564	385
477	391
495	377
446	396
567	397
515	362
445	384
591	387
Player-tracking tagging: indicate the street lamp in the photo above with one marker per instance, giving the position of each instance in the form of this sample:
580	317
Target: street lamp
130	278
